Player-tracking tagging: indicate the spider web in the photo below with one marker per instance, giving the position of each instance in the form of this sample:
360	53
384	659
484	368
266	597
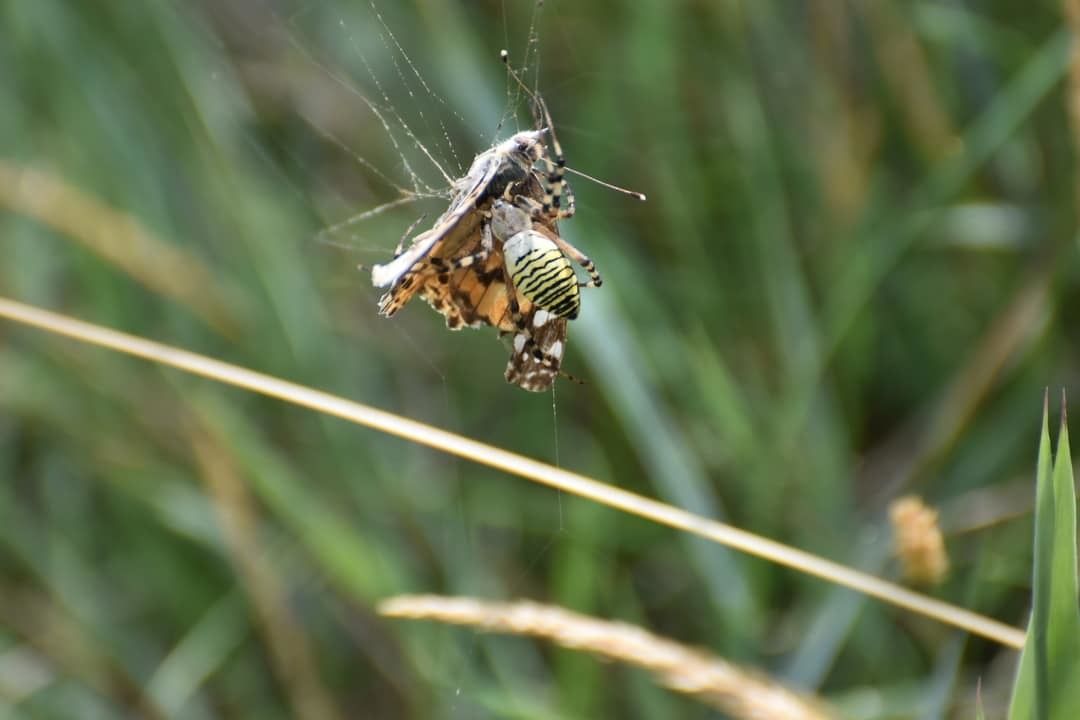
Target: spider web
381	126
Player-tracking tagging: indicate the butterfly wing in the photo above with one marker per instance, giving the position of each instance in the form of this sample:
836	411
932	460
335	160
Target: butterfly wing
472	296
428	256
535	369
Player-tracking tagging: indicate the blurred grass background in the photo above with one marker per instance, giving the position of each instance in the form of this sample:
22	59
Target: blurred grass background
845	287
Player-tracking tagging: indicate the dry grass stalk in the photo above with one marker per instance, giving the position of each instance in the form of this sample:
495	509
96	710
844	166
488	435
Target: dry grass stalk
573	483
290	652
119	239
63	641
734	690
907	72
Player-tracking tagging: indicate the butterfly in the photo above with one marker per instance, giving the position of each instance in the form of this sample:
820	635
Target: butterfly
459	268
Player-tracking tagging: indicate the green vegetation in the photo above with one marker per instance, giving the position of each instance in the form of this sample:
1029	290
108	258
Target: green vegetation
844	288
1045	685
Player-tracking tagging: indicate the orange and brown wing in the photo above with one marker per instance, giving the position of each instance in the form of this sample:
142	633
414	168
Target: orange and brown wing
476	296
451	241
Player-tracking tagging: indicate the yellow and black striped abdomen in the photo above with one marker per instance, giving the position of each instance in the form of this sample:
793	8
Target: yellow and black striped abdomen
542	273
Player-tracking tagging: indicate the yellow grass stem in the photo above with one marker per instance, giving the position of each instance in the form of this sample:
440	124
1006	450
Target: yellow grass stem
515	464
737	691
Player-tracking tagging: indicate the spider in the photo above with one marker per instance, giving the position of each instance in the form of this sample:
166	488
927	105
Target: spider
520	282
476	289
535	269
538	259
493	173
489	260
460	268
520	273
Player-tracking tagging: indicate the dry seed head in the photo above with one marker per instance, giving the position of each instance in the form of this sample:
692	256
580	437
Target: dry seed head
736	691
917	541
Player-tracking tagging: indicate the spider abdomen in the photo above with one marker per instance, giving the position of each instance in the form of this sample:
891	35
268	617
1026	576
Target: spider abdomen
540	272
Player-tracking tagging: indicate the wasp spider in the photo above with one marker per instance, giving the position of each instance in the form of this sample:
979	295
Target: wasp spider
487	261
475	290
537	261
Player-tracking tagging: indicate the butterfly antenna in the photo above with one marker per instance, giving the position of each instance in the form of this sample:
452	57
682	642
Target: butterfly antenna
616	188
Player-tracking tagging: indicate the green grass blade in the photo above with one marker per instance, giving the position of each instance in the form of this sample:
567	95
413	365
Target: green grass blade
1025	700
1063	641
1045	682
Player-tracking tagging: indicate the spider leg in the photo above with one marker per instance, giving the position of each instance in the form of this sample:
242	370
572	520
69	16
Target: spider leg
524	342
581	259
536	210
475	258
522	327
408	231
556	184
555	164
478	257
533	207
571	206
402	291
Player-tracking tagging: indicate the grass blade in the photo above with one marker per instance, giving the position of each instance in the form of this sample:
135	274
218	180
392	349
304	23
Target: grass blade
1045	683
